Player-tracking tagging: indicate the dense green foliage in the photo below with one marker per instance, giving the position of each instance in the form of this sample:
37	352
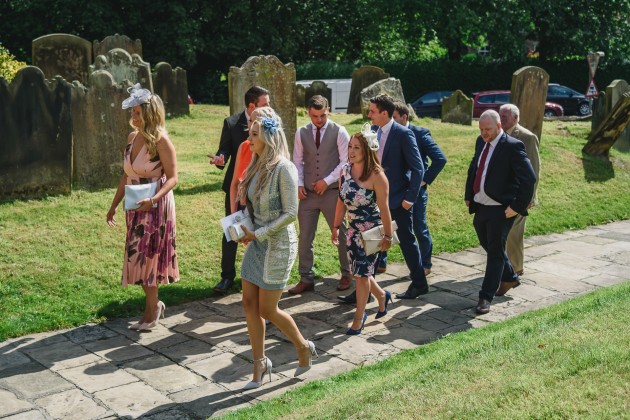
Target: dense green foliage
206	38
9	66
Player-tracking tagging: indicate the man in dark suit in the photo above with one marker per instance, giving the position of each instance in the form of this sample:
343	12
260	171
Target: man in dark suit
428	150
234	133
499	186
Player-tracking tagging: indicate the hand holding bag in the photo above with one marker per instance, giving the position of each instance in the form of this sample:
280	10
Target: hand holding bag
238	220
138	192
372	237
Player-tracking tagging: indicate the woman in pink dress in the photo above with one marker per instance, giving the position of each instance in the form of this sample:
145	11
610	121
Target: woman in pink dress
150	257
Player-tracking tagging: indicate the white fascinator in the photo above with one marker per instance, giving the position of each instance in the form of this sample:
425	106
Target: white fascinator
370	136
138	96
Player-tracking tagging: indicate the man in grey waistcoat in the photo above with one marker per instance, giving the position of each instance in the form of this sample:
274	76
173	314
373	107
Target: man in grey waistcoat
319	152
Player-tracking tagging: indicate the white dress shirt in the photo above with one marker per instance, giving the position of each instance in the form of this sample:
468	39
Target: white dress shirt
384	134
481	197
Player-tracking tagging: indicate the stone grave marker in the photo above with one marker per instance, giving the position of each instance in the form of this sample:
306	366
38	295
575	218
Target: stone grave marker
318	87
529	94
602	139
100	127
123	66
66	55
172	86
117	41
279	79
36	139
389	86
457	109
361	78
614	92
300	95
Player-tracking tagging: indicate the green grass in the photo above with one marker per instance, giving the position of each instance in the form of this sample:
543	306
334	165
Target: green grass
570	360
60	264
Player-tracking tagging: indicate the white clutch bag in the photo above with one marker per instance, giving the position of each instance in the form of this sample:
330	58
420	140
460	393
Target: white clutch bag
137	192
372	237
235	223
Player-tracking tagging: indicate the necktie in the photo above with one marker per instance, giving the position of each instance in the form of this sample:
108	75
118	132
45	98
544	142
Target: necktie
318	138
482	165
378	134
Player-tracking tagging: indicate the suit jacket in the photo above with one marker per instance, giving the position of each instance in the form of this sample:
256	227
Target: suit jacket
532	147
510	177
428	149
233	134
403	166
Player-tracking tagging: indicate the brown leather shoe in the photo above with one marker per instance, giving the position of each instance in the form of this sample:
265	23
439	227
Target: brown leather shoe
520	272
381	269
427	271
302	287
344	283
505	286
483	306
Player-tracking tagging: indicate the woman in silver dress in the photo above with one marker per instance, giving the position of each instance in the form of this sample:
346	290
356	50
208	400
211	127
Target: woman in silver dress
270	189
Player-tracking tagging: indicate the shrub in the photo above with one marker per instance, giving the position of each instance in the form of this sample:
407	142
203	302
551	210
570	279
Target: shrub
9	66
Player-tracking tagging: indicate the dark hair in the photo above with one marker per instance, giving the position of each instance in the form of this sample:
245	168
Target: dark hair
253	94
372	163
402	108
318	102
384	103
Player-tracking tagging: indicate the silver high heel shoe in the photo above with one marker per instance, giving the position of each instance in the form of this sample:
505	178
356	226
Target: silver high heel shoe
135	326
257	384
147	326
302	369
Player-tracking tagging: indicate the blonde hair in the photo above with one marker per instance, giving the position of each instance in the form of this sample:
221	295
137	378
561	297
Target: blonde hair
152	125
276	149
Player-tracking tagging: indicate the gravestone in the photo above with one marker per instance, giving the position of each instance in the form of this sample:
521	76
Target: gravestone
457	109
361	78
100	127
599	110
300	95
601	140
123	66
66	55
614	92
389	86
278	78
529	94
117	41
36	135
318	88
172	86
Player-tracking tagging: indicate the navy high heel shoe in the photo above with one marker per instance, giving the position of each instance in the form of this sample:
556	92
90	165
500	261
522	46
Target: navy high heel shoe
388	298
357	332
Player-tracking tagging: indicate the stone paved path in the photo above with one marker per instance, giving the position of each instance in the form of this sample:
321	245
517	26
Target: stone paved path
196	363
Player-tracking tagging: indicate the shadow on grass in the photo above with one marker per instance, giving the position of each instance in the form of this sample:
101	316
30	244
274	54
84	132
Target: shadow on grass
197	189
597	168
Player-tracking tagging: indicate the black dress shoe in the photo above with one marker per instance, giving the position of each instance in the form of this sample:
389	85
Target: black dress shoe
352	298
412	293
483	306
224	285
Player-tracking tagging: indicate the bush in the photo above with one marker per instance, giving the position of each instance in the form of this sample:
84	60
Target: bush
9	66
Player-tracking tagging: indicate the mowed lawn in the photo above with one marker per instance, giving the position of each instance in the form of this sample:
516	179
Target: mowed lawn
60	263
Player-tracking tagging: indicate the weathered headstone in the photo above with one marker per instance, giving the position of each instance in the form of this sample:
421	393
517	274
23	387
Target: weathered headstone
457	109
300	95
172	86
123	66
599	110
389	86
268	72
36	135
117	41
614	92
318	88
601	140
529	94
100	127
66	55
362	78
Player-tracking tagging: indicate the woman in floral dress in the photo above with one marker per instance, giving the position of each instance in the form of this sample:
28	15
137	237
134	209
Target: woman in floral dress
150	257
363	194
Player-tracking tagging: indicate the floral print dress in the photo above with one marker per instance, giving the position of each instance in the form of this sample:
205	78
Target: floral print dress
363	214
150	257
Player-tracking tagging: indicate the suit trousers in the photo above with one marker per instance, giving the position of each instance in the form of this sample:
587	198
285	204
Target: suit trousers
514	246
492	230
228	249
409	246
421	229
308	218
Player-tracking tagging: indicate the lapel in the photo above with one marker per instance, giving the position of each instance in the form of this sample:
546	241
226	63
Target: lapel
242	120
498	150
390	137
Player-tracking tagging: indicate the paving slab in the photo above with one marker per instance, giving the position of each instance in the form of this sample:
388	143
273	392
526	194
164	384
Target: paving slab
28	415
62	355
33	380
117	349
11	404
162	374
72	404
97	376
134	400
209	399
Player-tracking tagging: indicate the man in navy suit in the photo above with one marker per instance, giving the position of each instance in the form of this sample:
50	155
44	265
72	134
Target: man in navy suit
428	150
234	133
499	186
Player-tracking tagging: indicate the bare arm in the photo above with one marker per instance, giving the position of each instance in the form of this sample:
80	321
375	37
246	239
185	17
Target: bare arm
166	150
340	214
381	188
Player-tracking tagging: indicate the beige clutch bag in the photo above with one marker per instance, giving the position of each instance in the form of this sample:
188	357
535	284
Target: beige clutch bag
372	237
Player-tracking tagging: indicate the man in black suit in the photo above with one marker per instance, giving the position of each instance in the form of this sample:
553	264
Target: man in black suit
499	186
234	133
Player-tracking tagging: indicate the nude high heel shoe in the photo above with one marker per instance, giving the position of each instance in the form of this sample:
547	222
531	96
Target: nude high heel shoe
302	369
147	326
257	384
